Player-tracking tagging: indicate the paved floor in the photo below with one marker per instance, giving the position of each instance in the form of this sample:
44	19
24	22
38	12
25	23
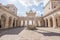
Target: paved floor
24	34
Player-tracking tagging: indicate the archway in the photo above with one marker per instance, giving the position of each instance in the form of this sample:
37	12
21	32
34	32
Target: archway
30	22
17	23
56	22
51	22
10	21
46	22
3	21
14	23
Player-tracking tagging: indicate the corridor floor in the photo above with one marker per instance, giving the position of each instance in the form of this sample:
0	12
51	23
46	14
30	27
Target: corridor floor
24	34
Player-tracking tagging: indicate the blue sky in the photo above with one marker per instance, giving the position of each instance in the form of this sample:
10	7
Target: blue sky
26	5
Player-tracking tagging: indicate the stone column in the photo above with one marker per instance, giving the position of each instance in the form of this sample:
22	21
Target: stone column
38	23
58	22
32	22
7	23
20	23
27	22
49	25
54	22
45	23
23	23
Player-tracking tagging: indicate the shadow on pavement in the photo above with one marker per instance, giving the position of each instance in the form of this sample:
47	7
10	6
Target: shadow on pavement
48	33
12	31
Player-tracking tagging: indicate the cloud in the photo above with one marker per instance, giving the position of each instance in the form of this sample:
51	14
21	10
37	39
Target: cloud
38	12
27	3
34	9
11	1
45	2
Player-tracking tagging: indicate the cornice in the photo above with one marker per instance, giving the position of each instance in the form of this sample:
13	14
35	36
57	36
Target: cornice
52	12
7	10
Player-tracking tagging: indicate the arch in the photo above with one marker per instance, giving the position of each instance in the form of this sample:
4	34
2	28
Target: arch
46	22
17	22
14	22
57	19
23	23
30	22
51	22
56	22
10	21
3	20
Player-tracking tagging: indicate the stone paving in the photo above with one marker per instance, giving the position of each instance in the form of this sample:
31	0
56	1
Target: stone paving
24	34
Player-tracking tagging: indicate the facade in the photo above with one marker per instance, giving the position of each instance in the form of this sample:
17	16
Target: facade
31	19
50	18
52	14
8	18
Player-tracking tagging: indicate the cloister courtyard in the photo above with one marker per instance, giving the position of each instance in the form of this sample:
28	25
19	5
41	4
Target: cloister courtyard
22	33
29	20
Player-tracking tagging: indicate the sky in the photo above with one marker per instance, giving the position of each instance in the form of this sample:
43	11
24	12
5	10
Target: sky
24	6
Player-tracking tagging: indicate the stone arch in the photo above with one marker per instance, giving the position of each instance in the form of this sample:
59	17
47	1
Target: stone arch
46	22
30	22
14	22
57	19
56	22
17	21
51	22
10	21
3	20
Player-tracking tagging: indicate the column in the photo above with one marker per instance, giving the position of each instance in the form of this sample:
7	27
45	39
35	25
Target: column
7	23
32	22
49	25
27	22
23	23
54	22
20	23
45	23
